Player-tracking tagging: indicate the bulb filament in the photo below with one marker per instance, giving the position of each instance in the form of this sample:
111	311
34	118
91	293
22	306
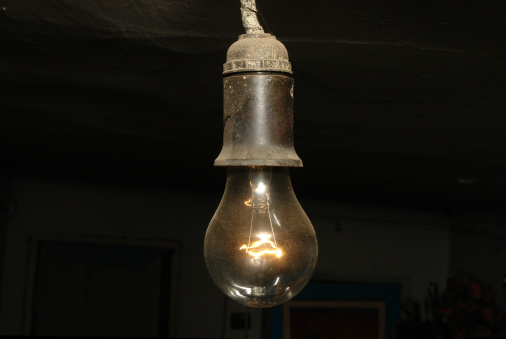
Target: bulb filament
275	250
260	206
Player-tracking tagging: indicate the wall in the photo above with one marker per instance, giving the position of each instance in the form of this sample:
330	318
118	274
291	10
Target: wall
371	243
358	243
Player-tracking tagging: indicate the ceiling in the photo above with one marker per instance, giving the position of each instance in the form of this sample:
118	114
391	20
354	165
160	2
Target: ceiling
396	102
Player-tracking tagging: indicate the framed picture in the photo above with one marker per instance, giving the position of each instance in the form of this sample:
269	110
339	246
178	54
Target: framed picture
324	319
337	309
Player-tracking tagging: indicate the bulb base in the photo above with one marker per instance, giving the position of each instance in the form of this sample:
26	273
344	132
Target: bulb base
258	121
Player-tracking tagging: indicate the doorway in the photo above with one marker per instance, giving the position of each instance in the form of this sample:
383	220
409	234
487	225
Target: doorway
101	287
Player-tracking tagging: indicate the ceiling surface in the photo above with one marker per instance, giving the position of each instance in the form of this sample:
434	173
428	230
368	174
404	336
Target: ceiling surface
396	102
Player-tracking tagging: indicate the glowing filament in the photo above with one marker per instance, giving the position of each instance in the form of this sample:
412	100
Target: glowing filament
261	188
260	253
259	203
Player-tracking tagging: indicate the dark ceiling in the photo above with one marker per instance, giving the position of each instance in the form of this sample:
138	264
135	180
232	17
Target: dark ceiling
396	102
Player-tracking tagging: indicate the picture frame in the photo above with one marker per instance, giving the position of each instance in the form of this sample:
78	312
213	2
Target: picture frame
335	295
324	317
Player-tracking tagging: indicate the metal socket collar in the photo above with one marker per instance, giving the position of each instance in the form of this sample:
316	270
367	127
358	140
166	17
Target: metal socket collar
258	121
259	52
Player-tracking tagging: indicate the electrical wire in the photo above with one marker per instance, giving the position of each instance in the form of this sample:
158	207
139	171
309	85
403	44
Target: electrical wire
249	17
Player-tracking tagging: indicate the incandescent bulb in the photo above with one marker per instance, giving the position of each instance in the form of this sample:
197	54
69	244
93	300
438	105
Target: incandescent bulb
260	247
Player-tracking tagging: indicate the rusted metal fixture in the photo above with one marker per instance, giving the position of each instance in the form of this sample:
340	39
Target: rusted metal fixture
258	102
258	121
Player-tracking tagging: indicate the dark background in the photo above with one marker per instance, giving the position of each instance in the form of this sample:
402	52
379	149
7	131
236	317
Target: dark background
398	102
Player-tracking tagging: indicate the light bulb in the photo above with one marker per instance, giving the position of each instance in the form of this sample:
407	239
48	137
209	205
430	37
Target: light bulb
260	247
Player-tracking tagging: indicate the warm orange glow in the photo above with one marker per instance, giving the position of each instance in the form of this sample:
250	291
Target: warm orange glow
261	253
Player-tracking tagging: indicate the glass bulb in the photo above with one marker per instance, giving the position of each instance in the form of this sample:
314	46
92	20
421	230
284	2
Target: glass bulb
260	247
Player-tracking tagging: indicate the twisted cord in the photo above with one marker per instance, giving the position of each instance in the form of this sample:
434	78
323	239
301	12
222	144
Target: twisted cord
249	17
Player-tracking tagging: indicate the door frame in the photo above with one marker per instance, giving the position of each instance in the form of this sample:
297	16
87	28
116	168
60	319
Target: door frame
33	250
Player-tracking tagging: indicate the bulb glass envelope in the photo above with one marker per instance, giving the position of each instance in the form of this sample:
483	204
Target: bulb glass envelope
260	247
